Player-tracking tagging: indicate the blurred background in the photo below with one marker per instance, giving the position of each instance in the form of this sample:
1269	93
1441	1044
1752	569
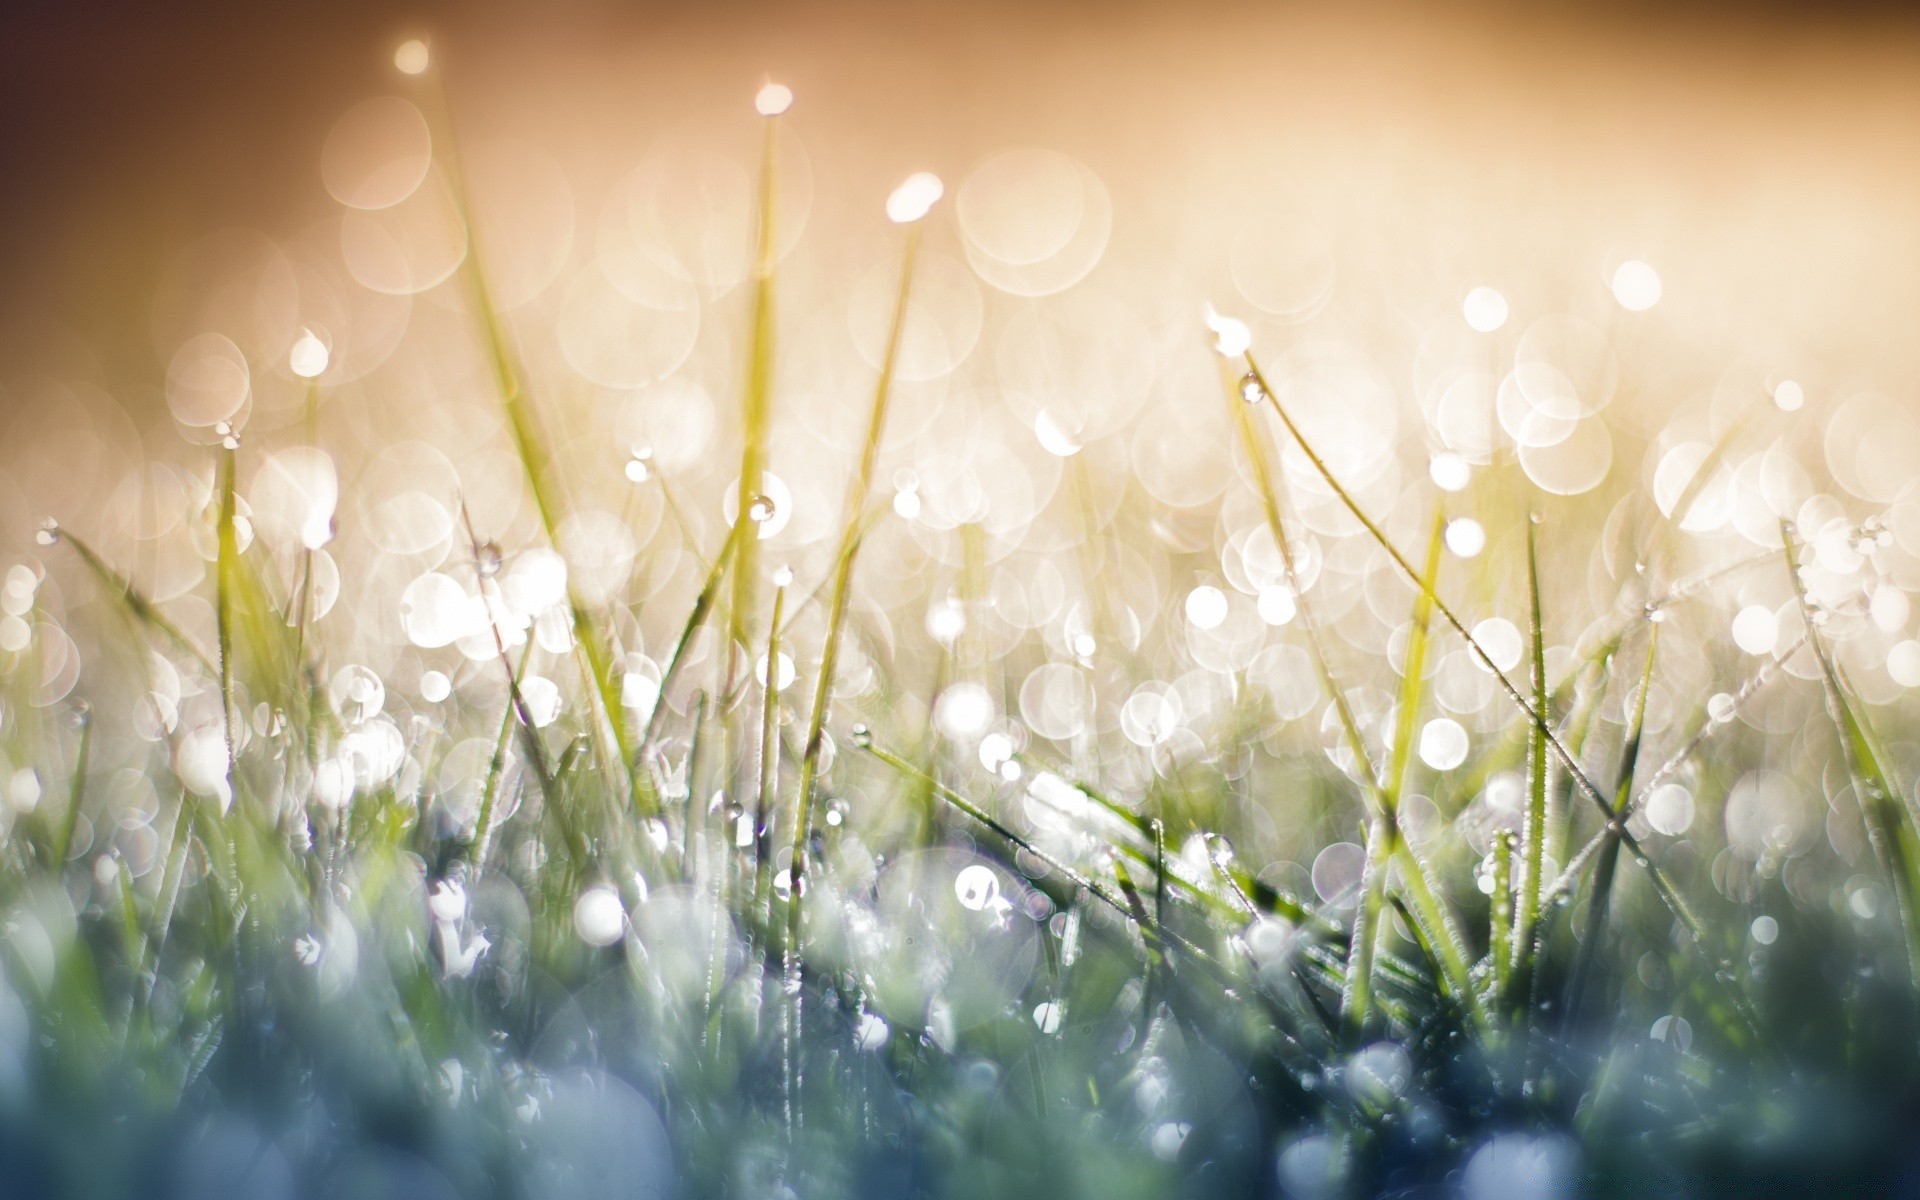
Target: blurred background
1765	154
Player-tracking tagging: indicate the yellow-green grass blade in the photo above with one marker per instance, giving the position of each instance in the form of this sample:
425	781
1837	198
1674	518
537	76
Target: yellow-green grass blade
843	580
1603	872
1889	825
1668	896
1533	830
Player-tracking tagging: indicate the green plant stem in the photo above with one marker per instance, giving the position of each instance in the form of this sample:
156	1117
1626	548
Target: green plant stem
1603	871
1533	830
842	586
1661	886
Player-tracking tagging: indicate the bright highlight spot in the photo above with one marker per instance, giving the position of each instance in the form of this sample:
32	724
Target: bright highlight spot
411	58
1231	338
1755	629
976	886
1636	286
1206	607
1449	472
1465	537
913	198
598	916
309	355
773	99
1485	309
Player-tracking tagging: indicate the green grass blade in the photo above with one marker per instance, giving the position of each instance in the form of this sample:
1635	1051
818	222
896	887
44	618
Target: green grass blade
843	579
1531	885
1610	854
1384	832
136	603
530	445
1889	825
1568	762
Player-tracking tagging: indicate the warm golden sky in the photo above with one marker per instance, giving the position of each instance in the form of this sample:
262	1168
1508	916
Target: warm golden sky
1774	155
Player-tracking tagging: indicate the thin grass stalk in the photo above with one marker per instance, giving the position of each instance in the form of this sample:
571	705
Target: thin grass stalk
756	403
1662	887
226	582
529	444
842	585
1500	917
769	760
517	704
1603	872
1889	824
1644	786
1533	830
1384	832
76	792
829	659
136	602
1441	932
702	605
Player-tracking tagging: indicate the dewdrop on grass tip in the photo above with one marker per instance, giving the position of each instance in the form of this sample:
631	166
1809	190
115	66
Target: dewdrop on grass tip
411	57
773	99
1231	337
309	356
914	197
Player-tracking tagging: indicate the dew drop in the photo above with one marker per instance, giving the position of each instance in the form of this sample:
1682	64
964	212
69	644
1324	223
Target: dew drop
489	560
48	533
1251	389
862	736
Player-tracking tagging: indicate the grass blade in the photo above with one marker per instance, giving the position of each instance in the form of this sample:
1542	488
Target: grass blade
1610	853
1889	825
1533	713
1533	831
842	582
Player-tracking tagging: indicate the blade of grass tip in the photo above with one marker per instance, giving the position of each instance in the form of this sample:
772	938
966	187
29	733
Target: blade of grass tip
696	618
1270	504
142	609
750	505
1610	853
529	444
517	705
76	791
1385	830
1533	830
1888	823
1441	931
1661	886
842	582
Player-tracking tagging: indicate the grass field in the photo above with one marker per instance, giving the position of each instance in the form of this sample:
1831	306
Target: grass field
615	746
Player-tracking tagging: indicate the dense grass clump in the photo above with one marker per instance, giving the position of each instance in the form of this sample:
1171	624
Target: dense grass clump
554	824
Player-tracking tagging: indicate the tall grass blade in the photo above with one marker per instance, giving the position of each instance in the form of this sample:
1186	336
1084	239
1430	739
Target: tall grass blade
136	603
1889	825
530	445
1533	830
843	580
1610	853
1662	886
1384	833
